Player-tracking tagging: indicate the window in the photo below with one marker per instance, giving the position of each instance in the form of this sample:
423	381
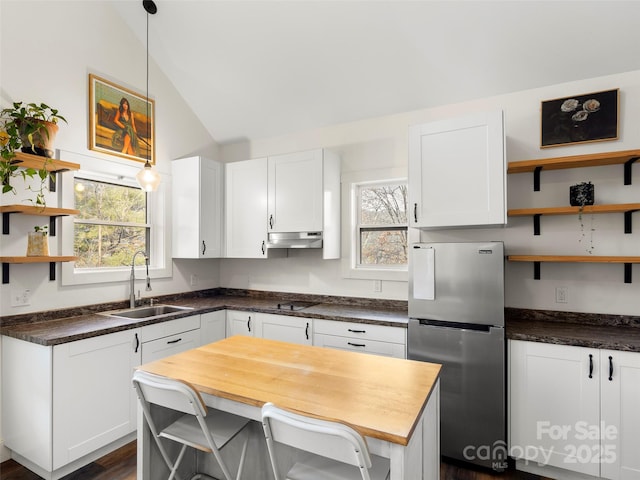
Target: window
381	228
116	219
375	229
112	224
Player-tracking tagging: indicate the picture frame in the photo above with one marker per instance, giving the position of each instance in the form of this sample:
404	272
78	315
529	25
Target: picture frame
110	131
591	117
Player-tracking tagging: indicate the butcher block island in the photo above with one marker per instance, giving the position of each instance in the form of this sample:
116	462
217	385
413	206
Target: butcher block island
392	402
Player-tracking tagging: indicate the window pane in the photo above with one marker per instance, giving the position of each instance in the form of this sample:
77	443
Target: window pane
109	202
383	205
105	246
383	247
100	246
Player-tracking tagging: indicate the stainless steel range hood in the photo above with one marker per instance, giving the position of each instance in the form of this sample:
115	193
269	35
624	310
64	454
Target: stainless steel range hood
295	240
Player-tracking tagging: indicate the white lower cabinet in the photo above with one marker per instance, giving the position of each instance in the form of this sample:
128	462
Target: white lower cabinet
63	403
574	408
63	406
285	328
360	337
213	326
241	323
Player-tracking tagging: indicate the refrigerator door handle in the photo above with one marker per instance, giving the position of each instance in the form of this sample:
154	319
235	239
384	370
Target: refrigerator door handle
478	327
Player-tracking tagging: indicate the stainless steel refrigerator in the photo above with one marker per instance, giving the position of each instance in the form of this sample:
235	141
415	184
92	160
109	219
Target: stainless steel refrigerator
456	318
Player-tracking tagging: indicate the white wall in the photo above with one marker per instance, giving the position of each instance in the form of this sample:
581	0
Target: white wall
382	142
50	63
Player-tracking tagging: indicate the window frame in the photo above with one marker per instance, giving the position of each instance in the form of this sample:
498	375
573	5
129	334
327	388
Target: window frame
351	268
158	218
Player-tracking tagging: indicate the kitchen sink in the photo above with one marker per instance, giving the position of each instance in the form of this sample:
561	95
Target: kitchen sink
146	312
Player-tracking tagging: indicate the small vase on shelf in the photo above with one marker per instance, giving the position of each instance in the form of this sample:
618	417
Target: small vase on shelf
38	243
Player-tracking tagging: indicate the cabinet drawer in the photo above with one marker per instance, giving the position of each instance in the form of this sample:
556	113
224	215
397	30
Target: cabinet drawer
360	345
170	327
360	331
163	347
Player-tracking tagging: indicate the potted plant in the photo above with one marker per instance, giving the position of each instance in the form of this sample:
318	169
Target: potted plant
37	243
31	128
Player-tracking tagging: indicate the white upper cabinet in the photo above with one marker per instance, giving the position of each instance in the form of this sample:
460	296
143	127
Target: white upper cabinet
304	196
246	209
197	208
295	192
457	172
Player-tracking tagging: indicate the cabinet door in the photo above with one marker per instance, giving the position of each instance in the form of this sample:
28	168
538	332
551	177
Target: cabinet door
295	192
284	328
197	208
554	396
457	171
241	323
213	326
246	209
93	401
620	390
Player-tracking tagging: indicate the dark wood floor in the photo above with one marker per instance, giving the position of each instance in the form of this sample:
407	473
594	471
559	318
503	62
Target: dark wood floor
121	465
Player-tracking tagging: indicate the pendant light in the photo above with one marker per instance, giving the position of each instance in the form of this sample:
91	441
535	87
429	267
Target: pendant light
147	177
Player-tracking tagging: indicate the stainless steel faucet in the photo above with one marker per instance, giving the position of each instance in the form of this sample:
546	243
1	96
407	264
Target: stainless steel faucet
132	278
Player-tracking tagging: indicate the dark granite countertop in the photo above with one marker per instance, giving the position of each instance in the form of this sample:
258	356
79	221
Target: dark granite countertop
615	332
54	328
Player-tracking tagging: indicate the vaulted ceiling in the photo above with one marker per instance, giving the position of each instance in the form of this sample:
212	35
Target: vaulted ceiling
253	69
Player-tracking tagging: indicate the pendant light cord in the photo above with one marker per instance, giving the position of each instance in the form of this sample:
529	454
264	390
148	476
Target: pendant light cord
148	122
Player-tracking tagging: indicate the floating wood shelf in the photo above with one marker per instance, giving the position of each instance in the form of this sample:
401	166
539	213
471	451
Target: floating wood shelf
537	259
51	260
50	212
626	208
27	160
623	157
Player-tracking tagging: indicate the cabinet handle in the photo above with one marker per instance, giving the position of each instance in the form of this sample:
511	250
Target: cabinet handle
204	247
357	331
249	323
137	343
610	368
306	331
263	247
174	341
271	221
590	366
356	344
415	212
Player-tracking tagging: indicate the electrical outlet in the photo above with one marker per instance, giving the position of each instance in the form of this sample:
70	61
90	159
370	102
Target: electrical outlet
562	294
377	285
20	298
193	281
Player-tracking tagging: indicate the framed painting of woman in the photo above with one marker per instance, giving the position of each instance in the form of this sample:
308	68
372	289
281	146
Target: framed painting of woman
121	121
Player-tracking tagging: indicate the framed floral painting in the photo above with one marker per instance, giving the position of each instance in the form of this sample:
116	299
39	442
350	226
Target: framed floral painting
592	117
121	121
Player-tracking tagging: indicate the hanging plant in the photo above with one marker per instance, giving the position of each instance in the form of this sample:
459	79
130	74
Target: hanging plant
30	128
580	195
